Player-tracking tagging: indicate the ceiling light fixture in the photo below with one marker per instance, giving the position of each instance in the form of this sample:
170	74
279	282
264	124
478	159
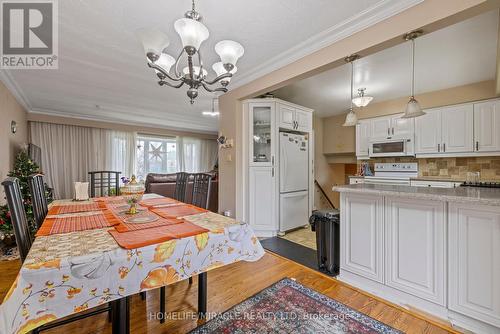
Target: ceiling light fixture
362	100
351	119
213	112
192	33
413	108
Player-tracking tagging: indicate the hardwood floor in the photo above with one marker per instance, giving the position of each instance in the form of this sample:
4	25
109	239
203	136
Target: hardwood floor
232	284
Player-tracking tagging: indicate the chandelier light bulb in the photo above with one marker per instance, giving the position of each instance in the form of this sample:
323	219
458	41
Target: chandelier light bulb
220	70
191	32
229	52
165	61
153	42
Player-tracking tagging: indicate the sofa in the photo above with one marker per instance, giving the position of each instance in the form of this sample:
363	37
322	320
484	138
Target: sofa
164	184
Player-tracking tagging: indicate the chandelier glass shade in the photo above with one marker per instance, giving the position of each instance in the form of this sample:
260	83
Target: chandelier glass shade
192	34
362	100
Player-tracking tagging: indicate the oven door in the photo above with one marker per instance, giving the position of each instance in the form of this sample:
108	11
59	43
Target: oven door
391	148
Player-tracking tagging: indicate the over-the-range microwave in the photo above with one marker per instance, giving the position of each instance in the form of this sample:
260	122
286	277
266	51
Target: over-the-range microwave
393	147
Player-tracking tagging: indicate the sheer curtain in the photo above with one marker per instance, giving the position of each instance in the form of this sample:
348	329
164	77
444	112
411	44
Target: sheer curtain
196	155
70	152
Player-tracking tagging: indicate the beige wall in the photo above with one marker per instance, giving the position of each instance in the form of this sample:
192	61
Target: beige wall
116	126
338	139
10	143
430	14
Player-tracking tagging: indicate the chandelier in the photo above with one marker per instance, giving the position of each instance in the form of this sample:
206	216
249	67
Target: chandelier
193	74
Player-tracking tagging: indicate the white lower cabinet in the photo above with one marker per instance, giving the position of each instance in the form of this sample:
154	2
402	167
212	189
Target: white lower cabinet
362	219
474	257
416	247
262	200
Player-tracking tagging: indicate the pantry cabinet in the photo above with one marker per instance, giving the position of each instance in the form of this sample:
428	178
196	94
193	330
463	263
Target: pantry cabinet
474	247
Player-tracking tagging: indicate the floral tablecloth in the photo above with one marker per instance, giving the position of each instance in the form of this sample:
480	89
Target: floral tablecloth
71	272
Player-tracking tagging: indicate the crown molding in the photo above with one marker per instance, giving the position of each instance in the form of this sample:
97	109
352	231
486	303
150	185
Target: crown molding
372	15
132	120
14	88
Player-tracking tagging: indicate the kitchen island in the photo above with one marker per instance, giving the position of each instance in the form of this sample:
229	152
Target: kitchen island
433	249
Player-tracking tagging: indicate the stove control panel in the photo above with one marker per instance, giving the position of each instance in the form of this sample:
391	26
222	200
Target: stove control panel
396	167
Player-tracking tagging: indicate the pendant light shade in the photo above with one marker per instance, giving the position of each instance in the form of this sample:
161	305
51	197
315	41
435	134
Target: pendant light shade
196	71
413	108
351	119
220	70
153	42
362	100
229	52
192	32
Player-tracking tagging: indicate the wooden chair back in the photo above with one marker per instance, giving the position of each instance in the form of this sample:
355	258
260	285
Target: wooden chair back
104	183
201	190
18	215
181	182
38	198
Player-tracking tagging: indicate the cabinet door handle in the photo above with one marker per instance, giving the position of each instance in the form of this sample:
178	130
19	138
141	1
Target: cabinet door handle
272	160
388	131
393	131
272	173
477	146
439	147
444	147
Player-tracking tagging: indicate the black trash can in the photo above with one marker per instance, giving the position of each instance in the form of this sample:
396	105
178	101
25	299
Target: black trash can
326	224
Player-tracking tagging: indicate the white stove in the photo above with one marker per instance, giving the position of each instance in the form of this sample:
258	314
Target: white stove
393	173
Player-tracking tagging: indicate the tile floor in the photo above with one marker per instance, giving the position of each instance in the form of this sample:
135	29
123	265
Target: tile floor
302	236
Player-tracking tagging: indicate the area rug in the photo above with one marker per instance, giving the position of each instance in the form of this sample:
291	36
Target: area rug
289	307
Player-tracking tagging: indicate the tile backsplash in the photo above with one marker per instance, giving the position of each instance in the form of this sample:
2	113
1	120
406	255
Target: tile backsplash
455	168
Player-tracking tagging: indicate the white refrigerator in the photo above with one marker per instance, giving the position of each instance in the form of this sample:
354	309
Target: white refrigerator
294	181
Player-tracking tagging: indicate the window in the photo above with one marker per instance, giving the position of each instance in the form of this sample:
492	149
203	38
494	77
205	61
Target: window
156	155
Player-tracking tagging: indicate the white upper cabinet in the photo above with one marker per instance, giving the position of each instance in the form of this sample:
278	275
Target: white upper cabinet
487	126
293	118
457	128
363	134
428	133
402	127
445	130
391	126
381	127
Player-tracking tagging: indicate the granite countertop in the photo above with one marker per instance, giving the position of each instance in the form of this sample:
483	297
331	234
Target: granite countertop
486	196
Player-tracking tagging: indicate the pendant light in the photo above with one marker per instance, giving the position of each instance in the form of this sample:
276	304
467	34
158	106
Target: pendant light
413	108
351	119
362	100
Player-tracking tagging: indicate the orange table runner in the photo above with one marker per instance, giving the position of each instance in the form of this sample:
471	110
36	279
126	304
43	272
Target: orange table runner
76	223
75	208
177	211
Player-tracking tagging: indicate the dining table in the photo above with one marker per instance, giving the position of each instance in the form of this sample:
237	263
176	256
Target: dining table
87	254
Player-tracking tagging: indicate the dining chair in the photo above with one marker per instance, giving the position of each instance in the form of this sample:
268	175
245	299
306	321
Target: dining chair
24	241
104	183
18	216
202	183
38	198
181	181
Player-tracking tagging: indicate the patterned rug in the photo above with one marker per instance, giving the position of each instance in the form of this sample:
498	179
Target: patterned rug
289	307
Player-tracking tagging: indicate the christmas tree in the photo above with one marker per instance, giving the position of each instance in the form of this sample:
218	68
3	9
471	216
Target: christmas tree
24	167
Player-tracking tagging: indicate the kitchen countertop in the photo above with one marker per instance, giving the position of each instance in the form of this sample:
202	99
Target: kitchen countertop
486	196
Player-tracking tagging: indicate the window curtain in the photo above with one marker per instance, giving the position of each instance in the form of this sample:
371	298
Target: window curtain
195	155
70	152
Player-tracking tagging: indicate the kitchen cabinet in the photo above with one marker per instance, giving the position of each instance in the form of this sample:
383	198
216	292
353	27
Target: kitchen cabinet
356	179
380	127
392	126
362	220
402	127
445	130
262	199
474	269
416	247
363	134
487	126
292	118
262	134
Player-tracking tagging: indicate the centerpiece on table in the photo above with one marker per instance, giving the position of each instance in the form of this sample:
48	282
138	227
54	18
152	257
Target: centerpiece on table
132	191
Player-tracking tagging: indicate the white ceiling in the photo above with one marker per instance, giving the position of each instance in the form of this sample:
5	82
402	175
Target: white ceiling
457	55
102	72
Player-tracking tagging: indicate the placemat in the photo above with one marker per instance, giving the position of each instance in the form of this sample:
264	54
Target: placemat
77	223
128	225
166	201
141	238
177	211
75	208
186	229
